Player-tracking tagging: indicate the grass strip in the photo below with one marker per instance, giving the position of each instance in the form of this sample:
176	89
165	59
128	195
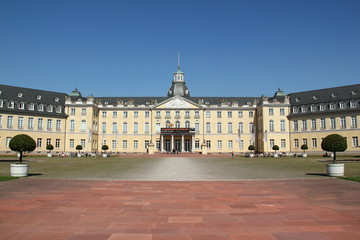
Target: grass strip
3	178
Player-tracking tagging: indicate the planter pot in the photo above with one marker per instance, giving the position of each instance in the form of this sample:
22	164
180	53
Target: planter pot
19	170
335	170
251	155
304	155
49	154
276	155
79	155
105	155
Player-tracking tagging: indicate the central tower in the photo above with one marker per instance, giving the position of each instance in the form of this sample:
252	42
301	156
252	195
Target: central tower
178	87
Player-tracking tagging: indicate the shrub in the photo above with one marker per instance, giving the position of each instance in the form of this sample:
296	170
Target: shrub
251	148
334	143
49	147
304	147
22	143
79	148
275	148
105	147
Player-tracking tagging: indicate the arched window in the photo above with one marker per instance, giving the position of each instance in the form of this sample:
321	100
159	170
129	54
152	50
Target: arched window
136	127
31	106
114	127
41	107
125	128
167	124
187	124
58	109
21	105
177	124
103	126
11	104
147	127
219	127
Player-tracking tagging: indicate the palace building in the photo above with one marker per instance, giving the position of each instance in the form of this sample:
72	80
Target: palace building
179	121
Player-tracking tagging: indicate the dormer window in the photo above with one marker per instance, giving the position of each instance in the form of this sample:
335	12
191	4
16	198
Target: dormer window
50	108
303	109
353	104
297	100
314	97
21	105
11	104
79	100
31	106
342	105
313	108
295	110
56	99
322	107
19	94
1	103
353	93
332	106
38	97
333	95
40	107
58	109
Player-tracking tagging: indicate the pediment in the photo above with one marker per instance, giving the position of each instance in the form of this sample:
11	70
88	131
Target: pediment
177	103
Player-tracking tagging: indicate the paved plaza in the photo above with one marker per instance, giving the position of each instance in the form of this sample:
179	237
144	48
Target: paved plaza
311	207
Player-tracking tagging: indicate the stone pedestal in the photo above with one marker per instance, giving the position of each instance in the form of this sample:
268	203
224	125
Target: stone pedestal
204	148
151	148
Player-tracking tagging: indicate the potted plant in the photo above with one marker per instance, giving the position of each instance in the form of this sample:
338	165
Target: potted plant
334	143
49	148
105	148
275	148
251	148
21	143
79	148
304	147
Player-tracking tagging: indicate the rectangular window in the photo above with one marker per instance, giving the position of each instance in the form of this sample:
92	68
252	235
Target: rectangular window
304	141
272	143
241	144
82	143
187	114
251	127
57	143
103	127
282	112
354	122
322	124
125	130
251	114
304	125
158	114
136	114
124	144
113	144
355	141
229	114
342	122
271	112
125	114
208	144
72	111
83	112
296	143
71	143
219	144
114	114
147	144
72	125
114	127
147	114
157	128
104	114
271	125
219	127
283	143
158	144
38	142
208	114
230	144
8	139
313	124
10	123
218	114
282	126
167	114
314	142
21	122
49	125
197	144
241	127
31	123
230	128
48	141
208	129
332	123
240	114
58	125
136	144
197	114
40	124
136	127
147	127
296	125
197	127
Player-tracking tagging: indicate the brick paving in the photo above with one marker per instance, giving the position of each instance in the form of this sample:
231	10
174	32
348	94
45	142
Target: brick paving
149	210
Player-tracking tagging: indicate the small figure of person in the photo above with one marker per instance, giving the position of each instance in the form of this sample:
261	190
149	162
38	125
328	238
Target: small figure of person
232	154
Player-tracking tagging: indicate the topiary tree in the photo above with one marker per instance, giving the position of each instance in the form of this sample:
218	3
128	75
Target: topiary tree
105	147
334	143
79	148
22	143
275	148
49	147
251	148
304	147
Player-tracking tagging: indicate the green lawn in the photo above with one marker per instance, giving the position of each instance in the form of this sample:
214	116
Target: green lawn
2	178
180	168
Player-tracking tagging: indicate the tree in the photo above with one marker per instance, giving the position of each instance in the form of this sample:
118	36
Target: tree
304	147
334	143
105	147
49	147
22	143
79	148
251	148
275	148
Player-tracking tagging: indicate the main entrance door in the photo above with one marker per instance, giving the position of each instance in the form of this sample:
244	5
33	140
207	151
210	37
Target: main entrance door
178	145
168	145
187	145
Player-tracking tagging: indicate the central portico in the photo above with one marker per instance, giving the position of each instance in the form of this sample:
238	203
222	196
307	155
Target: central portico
178	139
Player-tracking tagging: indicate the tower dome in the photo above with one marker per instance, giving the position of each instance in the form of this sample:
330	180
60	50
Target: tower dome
178	87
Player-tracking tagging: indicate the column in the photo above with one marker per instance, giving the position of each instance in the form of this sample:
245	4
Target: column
192	143
182	143
162	143
172	142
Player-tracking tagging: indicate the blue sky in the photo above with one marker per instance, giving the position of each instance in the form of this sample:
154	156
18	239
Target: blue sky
228	48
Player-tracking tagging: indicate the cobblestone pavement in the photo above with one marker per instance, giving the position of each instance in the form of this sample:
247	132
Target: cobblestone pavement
37	209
